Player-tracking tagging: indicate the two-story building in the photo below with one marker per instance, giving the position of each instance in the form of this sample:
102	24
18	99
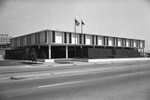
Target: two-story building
51	44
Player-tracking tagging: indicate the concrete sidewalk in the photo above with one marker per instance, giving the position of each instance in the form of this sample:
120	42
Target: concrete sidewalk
98	61
82	62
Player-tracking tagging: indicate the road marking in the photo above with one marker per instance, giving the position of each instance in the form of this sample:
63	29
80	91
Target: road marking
131	74
73	82
59	84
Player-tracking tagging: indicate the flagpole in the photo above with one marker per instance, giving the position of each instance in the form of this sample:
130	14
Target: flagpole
81	39
81	27
75	35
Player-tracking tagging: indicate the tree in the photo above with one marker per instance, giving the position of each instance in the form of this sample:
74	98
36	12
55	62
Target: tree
32	55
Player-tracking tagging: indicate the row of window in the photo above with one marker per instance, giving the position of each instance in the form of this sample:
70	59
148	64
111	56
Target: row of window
70	37
38	38
30	39
94	40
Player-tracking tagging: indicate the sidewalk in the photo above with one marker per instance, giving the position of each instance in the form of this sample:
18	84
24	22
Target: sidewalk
81	62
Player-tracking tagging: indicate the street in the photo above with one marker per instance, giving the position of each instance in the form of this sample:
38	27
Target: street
124	84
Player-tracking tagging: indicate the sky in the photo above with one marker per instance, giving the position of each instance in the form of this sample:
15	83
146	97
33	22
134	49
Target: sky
119	18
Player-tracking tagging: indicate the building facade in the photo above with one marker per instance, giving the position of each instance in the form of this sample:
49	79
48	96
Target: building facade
4	43
61	44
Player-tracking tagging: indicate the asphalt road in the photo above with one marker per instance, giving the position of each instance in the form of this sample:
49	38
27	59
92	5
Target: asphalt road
17	70
124	84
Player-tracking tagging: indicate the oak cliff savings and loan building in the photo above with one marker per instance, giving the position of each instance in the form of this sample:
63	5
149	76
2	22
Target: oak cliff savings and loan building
61	44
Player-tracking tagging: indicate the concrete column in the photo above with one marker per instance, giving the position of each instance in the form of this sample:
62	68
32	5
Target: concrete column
143	52
66	51
49	39
49	50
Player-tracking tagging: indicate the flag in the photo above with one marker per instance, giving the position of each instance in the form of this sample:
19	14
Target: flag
82	23
77	23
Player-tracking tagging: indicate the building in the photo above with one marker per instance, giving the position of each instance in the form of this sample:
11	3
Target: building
4	43
50	44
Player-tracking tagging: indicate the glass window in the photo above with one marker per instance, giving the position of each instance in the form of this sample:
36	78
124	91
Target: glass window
53	36
80	38
70	38
116	41
96	40
38	37
104	41
45	36
65	37
84	39
92	39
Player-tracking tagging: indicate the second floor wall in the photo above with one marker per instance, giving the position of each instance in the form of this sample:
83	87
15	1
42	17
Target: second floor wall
51	37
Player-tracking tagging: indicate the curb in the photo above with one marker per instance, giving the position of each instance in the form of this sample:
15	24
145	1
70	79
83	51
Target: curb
21	77
58	65
84	64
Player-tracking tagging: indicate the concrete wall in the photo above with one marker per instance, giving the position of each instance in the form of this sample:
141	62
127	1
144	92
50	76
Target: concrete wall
18	42
32	39
12	43
24	40
43	37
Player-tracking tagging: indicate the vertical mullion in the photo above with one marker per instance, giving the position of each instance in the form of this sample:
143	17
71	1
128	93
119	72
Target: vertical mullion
46	36
53	36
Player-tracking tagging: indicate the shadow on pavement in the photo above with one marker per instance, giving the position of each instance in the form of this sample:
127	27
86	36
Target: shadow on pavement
17	63
31	63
